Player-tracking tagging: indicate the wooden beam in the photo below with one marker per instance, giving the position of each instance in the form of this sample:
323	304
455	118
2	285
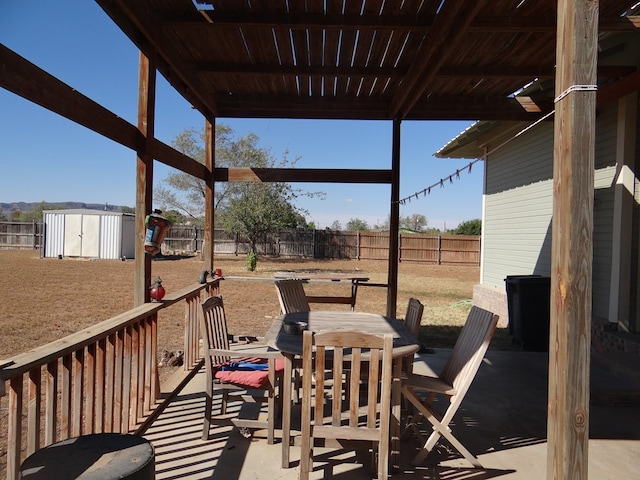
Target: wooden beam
572	240
540	23
460	107
368	22
178	160
296	70
524	72
620	89
31	82
34	84
216	19
302	175
144	176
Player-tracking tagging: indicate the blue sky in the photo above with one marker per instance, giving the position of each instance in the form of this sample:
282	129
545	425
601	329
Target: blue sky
44	157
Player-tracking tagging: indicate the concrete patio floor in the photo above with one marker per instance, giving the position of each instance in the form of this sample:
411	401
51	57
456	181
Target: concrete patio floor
502	421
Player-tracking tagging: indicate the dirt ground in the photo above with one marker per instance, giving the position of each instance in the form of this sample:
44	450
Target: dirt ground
45	299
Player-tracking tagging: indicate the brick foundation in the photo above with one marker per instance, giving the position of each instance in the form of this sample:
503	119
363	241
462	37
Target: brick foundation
493	299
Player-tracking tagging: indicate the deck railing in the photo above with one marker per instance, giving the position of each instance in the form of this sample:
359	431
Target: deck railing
101	379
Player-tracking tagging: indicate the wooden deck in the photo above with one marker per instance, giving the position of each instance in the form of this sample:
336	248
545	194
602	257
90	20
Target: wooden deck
503	421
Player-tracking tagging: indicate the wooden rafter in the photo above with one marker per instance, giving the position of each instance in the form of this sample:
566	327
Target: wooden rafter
370	22
447	30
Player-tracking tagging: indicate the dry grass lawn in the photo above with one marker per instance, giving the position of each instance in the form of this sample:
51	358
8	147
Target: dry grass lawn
44	299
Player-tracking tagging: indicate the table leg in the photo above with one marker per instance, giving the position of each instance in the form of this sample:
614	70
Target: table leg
396	411
286	409
354	292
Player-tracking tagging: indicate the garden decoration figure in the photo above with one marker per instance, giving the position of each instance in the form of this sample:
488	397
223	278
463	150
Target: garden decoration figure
157	227
157	290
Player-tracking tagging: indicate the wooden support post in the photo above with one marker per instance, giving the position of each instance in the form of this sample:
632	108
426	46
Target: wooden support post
572	240
394	222
623	205
144	175
209	194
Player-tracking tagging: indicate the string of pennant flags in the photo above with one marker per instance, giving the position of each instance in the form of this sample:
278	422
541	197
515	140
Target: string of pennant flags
440	184
456	175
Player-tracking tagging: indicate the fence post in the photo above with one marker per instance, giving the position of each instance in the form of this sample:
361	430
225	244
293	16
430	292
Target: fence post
358	245
439	249
399	247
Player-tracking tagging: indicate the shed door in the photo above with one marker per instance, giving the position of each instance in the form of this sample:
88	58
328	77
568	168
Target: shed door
81	235
91	236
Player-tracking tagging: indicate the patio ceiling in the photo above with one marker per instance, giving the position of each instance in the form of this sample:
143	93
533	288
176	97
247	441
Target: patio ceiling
358	59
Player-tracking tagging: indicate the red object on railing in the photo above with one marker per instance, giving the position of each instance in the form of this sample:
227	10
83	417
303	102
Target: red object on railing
157	290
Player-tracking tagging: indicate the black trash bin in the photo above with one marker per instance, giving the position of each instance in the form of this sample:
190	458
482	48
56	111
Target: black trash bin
528	304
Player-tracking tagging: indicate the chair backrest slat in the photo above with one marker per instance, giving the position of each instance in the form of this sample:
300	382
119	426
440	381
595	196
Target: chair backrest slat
469	350
214	330
362	356
291	296
413	316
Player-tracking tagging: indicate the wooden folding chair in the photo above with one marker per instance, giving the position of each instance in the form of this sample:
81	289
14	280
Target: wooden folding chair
356	412
412	320
413	317
453	383
237	366
291	296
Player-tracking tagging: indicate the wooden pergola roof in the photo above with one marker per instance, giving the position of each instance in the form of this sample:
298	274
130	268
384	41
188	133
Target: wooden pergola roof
358	59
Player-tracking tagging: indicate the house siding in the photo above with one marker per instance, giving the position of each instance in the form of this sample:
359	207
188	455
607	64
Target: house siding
519	206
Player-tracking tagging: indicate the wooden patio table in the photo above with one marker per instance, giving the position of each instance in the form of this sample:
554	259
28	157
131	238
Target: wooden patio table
354	278
404	344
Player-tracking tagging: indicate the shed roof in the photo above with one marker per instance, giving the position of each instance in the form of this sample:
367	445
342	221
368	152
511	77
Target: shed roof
87	211
358	59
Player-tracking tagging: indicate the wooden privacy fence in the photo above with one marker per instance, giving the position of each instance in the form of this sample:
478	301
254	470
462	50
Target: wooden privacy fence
21	235
101	379
325	244
315	244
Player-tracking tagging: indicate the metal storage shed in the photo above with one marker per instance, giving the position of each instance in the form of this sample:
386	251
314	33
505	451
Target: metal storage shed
86	233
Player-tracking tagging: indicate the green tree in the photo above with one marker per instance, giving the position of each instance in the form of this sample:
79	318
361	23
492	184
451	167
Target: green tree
416	222
254	209
174	216
469	227
335	226
356	224
36	214
260	209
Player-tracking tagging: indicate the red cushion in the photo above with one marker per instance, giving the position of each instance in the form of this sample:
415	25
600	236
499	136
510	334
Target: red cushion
248	378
